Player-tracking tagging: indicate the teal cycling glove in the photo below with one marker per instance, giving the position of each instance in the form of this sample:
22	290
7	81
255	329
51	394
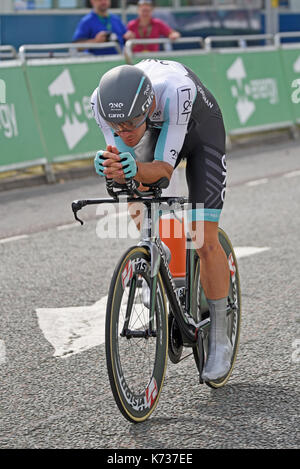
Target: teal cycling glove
98	163
127	161
128	164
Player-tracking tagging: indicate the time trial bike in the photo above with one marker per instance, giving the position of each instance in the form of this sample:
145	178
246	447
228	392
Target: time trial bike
138	337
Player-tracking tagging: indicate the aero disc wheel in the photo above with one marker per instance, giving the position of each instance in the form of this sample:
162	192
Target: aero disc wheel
234	311
136	341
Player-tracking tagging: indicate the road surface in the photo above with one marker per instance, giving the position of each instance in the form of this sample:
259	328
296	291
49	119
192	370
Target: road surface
54	387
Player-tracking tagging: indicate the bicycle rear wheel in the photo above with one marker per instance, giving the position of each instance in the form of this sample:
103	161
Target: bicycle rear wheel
136	343
234	308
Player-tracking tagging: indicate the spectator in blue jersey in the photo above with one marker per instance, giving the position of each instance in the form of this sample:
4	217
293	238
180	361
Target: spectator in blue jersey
100	26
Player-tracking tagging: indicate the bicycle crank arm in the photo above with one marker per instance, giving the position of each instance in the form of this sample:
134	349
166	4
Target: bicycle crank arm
202	325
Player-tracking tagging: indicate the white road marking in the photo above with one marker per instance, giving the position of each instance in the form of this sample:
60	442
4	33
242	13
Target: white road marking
292	174
13	238
67	227
245	251
73	330
257	182
2	352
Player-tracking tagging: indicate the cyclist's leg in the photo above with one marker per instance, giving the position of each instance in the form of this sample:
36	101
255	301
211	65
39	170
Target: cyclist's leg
206	178
214	270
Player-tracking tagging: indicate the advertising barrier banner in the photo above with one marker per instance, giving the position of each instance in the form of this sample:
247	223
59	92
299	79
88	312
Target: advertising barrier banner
291	65
20	139
252	90
61	92
45	110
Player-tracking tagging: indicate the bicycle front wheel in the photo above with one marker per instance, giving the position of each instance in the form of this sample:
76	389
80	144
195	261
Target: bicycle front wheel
136	340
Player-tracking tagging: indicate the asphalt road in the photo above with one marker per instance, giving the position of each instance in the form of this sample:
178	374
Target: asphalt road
51	400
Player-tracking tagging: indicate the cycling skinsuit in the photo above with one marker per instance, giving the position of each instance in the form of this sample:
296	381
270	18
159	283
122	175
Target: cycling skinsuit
186	124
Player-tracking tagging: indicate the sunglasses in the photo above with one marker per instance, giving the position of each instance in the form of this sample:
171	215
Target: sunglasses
130	125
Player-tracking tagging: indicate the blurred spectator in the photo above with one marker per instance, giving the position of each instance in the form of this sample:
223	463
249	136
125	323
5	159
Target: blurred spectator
147	27
100	26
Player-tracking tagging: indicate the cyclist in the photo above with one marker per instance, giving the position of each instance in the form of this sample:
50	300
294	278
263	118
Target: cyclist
153	115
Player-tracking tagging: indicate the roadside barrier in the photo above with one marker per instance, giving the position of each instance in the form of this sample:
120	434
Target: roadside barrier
45	114
61	93
8	52
251	90
290	62
72	49
242	41
20	138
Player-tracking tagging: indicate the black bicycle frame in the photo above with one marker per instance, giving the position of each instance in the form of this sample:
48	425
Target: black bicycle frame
188	327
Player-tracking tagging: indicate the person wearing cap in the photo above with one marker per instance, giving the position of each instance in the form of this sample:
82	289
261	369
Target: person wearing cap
147	27
100	26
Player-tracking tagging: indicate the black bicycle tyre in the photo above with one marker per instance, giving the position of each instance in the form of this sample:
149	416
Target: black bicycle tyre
228	248
119	389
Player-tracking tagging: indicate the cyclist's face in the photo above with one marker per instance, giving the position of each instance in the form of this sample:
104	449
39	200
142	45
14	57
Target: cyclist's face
132	137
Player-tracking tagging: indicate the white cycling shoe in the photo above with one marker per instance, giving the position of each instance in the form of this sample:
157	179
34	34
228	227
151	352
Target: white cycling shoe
219	346
145	286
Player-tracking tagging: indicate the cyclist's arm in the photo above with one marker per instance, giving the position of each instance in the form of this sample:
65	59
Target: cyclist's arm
146	172
152	172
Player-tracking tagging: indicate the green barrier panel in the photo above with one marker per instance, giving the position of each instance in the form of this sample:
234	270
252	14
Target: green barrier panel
20	140
48	114
200	63
203	66
290	58
252	90
61	91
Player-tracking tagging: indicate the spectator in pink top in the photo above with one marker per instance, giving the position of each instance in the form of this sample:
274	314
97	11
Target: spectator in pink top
147	27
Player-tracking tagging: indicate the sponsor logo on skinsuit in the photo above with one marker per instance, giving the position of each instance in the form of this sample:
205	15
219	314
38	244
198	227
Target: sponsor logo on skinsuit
184	104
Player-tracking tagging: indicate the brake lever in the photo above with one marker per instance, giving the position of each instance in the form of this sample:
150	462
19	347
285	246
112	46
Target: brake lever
77	205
